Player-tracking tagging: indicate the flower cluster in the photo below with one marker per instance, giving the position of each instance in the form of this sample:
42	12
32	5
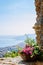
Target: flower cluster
31	49
28	50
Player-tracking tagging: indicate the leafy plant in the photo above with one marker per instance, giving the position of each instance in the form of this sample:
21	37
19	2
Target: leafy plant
31	49
30	41
11	54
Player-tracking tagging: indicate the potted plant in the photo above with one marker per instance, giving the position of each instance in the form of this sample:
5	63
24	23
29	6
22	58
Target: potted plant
30	51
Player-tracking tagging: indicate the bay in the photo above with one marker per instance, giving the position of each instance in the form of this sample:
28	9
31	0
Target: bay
11	40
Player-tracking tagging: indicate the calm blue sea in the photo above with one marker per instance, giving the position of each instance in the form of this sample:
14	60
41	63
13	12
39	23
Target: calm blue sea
13	40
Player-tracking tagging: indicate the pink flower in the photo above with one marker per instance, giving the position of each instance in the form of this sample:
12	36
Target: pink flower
30	52
24	50
28	49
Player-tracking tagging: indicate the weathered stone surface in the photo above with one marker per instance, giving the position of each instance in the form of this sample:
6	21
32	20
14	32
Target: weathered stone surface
39	24
17	61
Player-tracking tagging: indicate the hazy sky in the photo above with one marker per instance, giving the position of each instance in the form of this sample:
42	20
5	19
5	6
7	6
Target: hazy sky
17	17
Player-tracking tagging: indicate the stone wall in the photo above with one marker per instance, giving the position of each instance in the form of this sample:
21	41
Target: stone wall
39	24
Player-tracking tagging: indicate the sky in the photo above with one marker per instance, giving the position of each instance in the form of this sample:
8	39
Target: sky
17	17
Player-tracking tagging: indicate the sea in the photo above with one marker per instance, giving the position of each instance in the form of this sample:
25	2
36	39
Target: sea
10	40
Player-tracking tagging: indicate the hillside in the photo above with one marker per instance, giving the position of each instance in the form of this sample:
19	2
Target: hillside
10	48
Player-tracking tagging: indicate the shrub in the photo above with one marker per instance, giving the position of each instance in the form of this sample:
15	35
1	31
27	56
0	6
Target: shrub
11	54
